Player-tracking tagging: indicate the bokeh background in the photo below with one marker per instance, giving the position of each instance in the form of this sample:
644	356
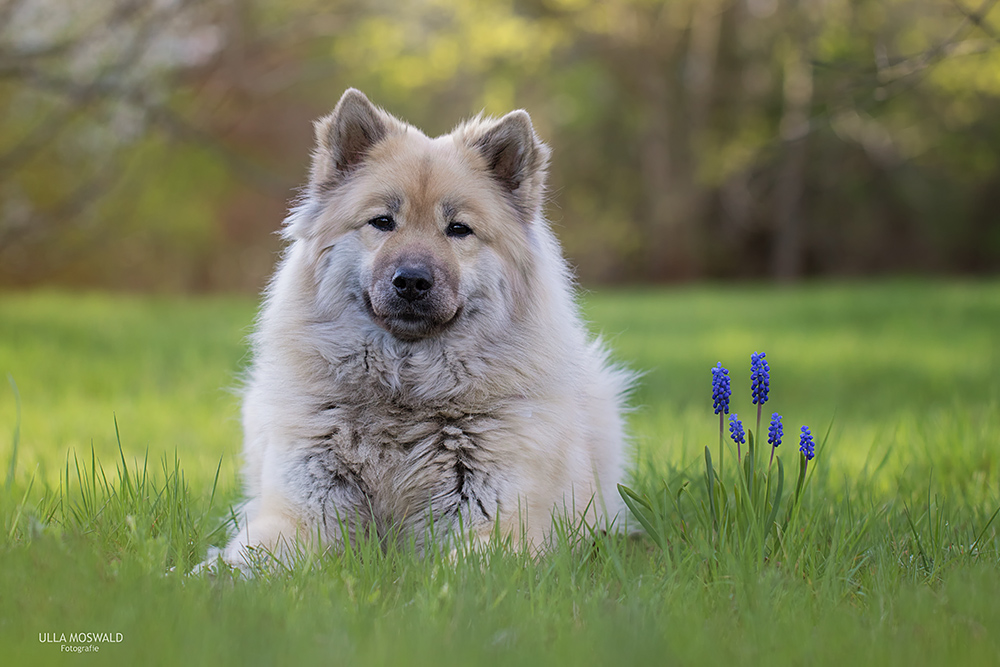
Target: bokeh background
156	144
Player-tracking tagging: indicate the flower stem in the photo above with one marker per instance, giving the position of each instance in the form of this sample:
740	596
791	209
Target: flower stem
721	426
756	435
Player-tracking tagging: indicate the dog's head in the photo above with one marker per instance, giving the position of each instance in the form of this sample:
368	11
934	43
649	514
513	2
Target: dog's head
422	233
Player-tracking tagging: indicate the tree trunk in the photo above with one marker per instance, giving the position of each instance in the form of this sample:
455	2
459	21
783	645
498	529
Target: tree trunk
789	247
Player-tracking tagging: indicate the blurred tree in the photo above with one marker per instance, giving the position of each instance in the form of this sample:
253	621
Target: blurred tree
91	98
797	93
155	143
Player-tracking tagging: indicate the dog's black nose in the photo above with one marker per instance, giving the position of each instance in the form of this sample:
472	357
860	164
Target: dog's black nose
412	282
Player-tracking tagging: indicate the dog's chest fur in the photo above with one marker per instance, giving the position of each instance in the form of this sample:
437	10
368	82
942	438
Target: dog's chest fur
374	454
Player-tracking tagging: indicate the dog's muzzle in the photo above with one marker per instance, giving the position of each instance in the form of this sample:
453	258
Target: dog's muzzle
413	299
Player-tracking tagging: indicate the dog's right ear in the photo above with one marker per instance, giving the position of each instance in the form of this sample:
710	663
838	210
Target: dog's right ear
346	136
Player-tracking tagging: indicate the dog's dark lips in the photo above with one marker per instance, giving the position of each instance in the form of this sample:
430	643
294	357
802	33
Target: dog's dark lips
408	328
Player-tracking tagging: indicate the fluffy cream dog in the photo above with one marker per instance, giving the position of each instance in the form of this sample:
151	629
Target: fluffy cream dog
419	353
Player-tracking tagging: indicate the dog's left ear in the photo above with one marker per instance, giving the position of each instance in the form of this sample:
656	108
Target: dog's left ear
516	158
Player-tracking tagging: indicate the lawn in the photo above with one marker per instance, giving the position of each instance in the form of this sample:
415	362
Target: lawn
125	414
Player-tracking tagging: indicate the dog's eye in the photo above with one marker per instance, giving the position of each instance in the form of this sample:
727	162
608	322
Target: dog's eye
383	223
458	229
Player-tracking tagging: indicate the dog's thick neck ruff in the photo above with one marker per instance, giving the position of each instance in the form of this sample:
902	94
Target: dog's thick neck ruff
339	351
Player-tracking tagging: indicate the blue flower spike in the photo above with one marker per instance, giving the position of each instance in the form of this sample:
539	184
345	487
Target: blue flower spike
721	390
760	384
760	378
806	445
736	432
774	433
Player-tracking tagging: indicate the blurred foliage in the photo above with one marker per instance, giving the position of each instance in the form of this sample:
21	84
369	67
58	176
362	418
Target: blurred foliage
156	143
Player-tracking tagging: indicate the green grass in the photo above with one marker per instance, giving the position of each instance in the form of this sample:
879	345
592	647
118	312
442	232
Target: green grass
890	557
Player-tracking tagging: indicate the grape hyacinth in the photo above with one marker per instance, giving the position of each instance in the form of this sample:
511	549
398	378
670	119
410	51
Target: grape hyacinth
736	432
754	483
760	378
806	445
720	397
774	433
720	389
760	384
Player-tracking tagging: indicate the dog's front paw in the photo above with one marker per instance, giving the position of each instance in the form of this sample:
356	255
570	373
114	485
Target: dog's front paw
261	545
219	560
210	565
